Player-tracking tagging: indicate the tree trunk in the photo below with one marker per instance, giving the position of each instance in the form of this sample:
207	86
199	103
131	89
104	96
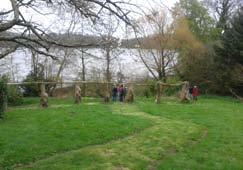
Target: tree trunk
107	75
108	62
60	69
163	69
83	74
34	62
158	95
235	95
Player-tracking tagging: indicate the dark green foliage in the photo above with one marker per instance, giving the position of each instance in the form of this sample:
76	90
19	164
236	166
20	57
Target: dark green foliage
197	64
232	42
230	54
149	90
218	65
15	96
200	22
144	89
224	9
3	97
33	90
171	91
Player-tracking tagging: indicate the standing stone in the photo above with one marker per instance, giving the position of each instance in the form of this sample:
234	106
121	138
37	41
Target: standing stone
130	95
77	94
44	96
184	94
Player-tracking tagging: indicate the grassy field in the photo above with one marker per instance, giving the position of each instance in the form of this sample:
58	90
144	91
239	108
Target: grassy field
207	134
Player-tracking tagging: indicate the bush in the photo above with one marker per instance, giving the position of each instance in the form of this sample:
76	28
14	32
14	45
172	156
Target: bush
31	90
171	91
149	90
3	97
15	96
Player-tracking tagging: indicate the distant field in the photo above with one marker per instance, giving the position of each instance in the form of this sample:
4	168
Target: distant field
207	134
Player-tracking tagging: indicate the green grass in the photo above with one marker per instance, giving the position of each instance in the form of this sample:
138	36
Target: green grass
207	134
223	146
139	151
31	133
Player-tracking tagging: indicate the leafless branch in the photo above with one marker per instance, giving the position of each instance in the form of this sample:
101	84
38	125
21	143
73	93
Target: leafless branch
7	52
38	37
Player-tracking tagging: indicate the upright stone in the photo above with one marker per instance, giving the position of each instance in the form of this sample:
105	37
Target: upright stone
184	94
77	94
44	96
130	95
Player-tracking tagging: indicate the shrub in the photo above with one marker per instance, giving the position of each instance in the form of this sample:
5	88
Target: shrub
15	96
149	90
31	90
171	91
3	97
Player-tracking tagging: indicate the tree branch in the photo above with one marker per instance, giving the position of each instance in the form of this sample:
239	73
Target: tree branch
7	52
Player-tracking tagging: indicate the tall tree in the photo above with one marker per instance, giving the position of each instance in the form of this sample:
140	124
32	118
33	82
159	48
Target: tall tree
106	30
155	48
222	11
194	63
197	33
200	22
230	53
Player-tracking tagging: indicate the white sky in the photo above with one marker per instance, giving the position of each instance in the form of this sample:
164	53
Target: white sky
143	4
55	23
146	3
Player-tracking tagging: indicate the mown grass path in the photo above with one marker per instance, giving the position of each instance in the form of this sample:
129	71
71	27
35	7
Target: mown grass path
223	119
142	150
31	134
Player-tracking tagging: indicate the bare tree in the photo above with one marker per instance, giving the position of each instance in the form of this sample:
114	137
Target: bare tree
16	31
222	10
155	47
9	68
83	58
61	65
106	30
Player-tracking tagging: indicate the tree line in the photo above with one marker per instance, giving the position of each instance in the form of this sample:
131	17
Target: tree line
199	42
195	41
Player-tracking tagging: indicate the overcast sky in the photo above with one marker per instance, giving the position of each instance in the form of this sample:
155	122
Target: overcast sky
6	3
55	23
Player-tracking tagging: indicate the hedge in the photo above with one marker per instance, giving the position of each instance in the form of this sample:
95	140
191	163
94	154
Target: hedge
3	98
